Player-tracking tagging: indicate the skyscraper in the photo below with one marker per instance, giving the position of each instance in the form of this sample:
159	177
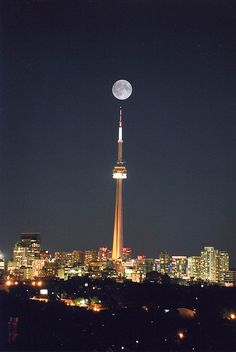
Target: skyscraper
214	264
165	262
119	173
194	267
179	264
25	251
223	265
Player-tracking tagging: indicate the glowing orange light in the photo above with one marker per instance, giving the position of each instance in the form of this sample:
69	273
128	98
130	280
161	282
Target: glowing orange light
40	283
16	282
181	335
8	283
96	309
232	316
33	283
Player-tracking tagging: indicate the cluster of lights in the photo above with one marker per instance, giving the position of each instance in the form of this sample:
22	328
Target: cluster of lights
11	283
37	283
119	175
96	309
119	172
34	283
45	300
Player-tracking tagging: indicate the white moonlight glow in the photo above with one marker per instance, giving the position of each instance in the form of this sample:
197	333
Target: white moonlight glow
122	89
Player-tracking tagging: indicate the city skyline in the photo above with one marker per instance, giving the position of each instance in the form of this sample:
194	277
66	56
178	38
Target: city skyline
58	124
31	262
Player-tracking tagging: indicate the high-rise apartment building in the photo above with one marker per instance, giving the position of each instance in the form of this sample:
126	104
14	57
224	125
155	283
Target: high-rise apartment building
209	257
194	267
223	265
214	264
165	260
179	266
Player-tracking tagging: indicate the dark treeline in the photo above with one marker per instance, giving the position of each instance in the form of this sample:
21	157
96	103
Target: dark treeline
139	317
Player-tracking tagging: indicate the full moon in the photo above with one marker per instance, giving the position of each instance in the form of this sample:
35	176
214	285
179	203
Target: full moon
122	89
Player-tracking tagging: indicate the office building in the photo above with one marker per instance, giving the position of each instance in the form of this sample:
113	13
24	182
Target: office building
25	251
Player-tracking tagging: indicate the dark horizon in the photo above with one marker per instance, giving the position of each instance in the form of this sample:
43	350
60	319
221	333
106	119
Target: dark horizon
59	123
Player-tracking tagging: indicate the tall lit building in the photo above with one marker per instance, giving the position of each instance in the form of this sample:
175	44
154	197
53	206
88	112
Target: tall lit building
165	262
119	173
37	267
214	265
209	264
179	264
223	265
194	267
26	250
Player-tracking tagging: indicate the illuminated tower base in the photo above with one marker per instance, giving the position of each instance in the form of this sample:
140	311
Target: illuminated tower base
117	248
119	173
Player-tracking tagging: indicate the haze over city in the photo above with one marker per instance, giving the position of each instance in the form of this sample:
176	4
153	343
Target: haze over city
59	124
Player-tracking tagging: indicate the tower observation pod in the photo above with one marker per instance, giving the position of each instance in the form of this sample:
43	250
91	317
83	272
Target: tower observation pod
119	173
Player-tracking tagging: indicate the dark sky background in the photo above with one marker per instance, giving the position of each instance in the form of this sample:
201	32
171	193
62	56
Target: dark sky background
59	60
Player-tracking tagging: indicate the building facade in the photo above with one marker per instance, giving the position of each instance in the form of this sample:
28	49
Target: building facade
25	251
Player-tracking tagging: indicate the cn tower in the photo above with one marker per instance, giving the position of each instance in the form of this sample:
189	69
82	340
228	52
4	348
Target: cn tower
119	173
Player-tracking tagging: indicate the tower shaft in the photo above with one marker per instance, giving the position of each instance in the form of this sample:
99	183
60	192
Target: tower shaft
119	173
117	248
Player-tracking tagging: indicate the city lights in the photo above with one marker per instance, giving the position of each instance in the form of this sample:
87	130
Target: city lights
141	263
44	291
39	264
96	309
119	175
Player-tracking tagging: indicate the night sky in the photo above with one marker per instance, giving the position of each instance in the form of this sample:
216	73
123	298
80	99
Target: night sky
59	123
